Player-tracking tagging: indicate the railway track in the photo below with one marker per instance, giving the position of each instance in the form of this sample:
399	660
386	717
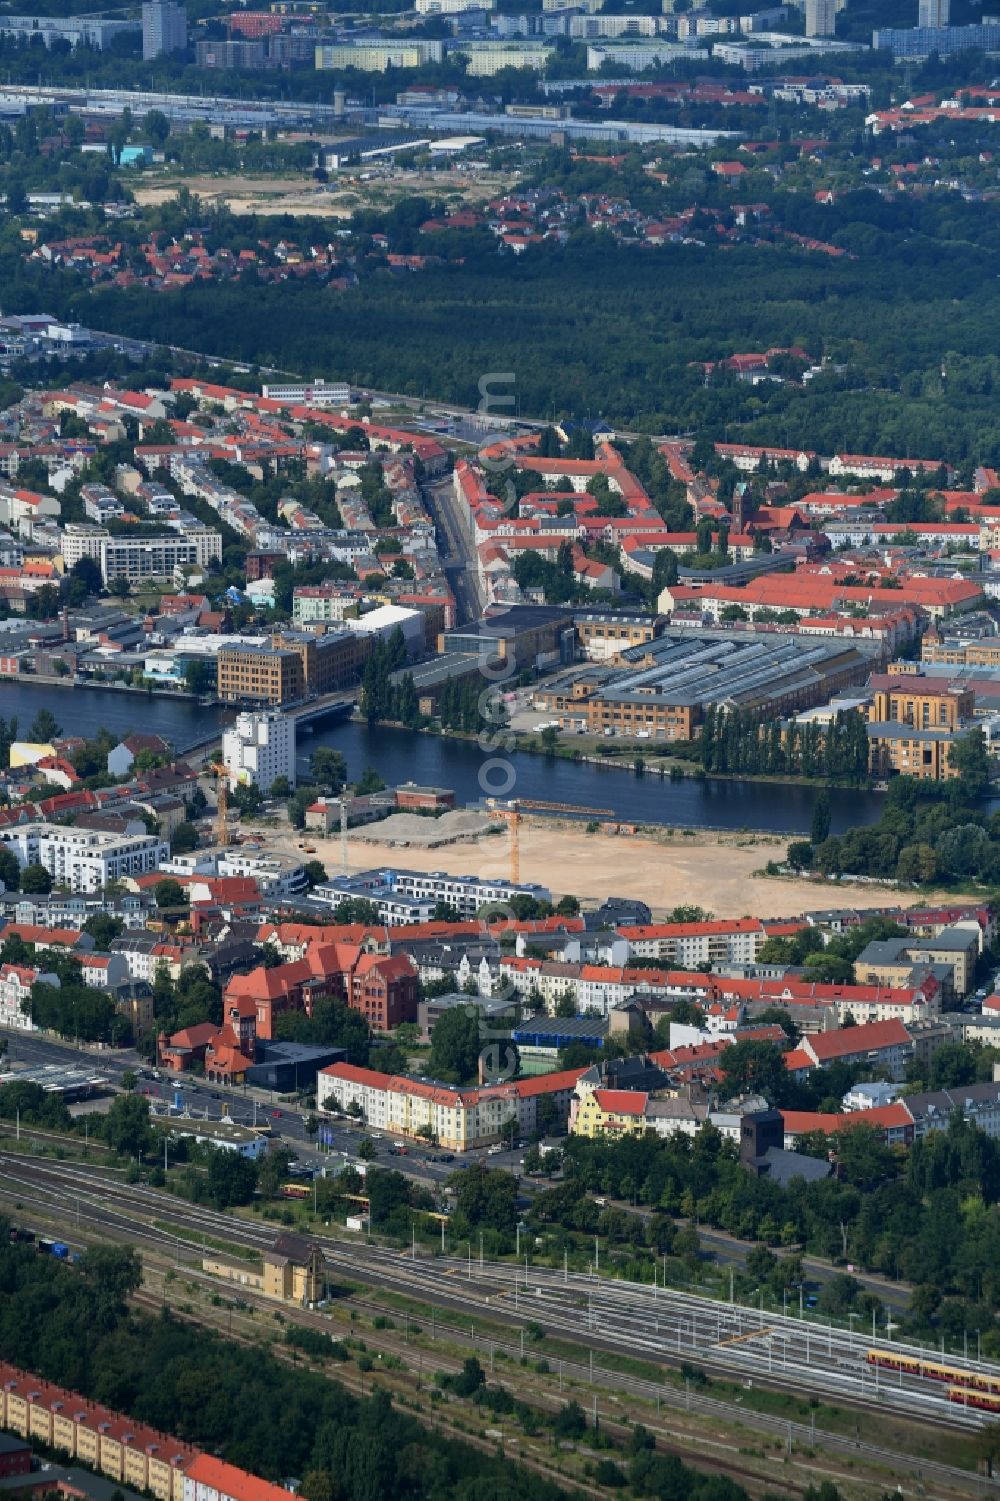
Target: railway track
665	1326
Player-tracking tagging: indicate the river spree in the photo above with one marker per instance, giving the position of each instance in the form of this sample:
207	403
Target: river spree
713	803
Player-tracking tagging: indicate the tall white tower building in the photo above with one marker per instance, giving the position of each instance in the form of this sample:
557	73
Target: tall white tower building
259	748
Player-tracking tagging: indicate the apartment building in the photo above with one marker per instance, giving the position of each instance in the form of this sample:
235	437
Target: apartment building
127	1452
323	604
16	981
905	750
258	749
486	59
597	988
378	57
84	859
978	1103
890	961
886	1046
456	1118
688	945
143	557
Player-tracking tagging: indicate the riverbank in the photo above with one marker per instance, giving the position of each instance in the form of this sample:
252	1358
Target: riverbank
722	872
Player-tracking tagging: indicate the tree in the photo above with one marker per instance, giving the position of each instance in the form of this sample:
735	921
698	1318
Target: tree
329	768
315	872
44	727
455	1045
87	572
970	758
10	870
103	928
231	1178
184	839
750	1067
35	880
120	587
169	893
157	127
127	1127
367	1149
281	787
487	1197
820	829
200	677
272	1172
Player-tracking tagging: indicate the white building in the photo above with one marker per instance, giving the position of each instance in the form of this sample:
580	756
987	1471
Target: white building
489	58
140	558
258	749
385	619
318	394
16	981
84	859
637	57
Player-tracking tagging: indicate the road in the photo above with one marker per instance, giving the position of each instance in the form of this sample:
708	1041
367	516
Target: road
456	548
660	1323
420	1162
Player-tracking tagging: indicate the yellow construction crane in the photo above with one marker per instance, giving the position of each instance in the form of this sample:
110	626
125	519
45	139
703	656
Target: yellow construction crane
511	814
221	803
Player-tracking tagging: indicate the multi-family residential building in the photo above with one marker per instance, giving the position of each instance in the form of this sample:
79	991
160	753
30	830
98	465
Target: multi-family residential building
137	559
16	981
258	749
377	57
84	859
735	940
889	961
978	1103
457	1118
886	1046
127	1452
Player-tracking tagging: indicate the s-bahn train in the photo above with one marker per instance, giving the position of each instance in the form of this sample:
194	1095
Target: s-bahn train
969	1388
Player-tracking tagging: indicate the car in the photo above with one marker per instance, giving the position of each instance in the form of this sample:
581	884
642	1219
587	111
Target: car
276	1115
447	1157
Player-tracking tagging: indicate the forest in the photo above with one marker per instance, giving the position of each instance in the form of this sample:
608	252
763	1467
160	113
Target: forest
905	322
927	832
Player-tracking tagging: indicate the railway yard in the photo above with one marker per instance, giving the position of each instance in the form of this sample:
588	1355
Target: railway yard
767	1398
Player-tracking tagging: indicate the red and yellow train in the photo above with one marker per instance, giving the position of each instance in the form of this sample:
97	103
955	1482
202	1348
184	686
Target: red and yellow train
971	1388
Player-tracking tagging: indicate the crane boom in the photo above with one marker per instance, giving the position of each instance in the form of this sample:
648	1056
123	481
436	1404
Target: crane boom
511	813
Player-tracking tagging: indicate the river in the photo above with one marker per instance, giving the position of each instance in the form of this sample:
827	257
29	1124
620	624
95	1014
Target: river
713	803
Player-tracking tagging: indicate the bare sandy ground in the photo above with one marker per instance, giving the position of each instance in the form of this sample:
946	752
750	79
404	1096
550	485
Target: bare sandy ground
296	193
714	871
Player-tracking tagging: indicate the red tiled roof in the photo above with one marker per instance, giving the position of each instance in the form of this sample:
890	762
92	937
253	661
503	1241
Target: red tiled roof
847	1041
621	1101
227	1480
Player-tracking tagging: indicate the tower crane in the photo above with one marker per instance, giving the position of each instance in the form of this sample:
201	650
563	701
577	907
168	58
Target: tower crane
221	803
512	811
